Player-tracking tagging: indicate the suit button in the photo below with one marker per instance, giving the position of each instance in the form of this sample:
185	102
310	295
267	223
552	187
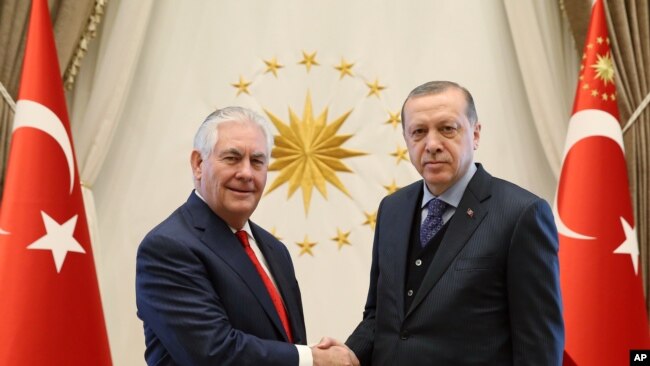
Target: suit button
404	335
409	293
418	262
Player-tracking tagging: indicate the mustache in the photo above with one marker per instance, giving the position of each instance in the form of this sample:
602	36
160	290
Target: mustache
438	157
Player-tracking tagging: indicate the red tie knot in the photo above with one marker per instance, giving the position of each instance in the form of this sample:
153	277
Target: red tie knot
243	238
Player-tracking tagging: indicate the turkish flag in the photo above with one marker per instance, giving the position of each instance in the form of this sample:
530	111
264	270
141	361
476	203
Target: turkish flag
50	307
604	307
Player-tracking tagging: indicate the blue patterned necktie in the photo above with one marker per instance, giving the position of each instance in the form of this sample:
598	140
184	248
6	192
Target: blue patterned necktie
433	222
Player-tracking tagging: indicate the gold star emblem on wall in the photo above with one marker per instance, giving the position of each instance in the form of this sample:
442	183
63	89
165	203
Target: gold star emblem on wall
311	144
344	68
371	219
272	66
341	238
306	246
375	88
401	154
308	60
242	85
391	188
394	119
308	152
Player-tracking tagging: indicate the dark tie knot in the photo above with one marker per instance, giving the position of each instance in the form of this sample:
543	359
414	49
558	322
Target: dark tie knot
433	221
436	207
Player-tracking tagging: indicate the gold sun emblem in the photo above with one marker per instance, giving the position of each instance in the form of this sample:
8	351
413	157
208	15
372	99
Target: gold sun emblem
604	68
308	152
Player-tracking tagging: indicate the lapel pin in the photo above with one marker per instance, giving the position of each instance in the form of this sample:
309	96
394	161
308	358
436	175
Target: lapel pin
470	213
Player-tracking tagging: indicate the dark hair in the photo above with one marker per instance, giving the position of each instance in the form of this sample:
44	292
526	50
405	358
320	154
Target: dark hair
440	86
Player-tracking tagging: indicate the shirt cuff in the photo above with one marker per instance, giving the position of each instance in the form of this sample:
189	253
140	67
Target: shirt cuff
305	357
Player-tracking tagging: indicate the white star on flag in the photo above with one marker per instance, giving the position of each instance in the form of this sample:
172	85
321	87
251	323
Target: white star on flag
58	239
630	245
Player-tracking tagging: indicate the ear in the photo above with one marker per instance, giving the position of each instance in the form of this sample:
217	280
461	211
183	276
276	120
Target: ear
477	134
195	162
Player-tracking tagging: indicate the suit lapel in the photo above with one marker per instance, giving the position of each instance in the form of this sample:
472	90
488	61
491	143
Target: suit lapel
217	236
461	227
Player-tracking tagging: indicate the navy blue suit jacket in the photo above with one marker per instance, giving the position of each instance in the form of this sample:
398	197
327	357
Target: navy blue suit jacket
201	299
491	295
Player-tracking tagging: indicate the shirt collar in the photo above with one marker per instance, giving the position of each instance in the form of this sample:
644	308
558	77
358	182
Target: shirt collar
199	195
246	228
453	194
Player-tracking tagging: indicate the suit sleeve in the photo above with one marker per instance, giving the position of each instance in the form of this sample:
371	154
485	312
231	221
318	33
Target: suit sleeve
361	341
180	306
534	290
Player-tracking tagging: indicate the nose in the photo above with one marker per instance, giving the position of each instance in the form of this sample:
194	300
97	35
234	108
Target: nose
433	142
245	171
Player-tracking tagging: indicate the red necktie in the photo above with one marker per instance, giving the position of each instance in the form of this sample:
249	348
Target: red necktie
273	292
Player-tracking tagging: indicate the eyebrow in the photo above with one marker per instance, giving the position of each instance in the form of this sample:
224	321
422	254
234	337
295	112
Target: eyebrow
258	155
230	151
234	151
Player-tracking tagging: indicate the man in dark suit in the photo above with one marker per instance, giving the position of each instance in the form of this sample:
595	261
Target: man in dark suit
212	287
464	266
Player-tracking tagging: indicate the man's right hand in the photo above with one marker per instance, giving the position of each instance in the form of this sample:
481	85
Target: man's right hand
329	351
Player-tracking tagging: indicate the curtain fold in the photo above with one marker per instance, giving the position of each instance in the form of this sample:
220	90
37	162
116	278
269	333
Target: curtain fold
548	65
629	32
578	14
101	91
98	104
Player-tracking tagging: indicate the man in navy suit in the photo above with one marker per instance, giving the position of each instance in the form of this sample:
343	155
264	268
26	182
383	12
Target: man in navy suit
212	287
464	266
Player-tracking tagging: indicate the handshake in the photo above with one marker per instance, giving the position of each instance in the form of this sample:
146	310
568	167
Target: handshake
329	351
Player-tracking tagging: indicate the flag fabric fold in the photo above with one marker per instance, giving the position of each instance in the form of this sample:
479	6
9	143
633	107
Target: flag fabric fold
604	306
50	302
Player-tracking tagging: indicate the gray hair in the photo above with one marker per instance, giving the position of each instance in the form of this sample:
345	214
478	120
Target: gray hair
441	86
207	134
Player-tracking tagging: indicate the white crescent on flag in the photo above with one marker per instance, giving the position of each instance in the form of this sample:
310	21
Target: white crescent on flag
584	124
35	115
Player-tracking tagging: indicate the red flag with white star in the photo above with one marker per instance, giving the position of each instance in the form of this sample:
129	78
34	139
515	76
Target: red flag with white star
604	306
49	296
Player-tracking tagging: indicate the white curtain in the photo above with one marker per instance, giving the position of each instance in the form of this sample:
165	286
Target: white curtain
101	92
549	65
191	54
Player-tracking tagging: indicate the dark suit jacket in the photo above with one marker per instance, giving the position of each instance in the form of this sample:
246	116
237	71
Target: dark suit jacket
491	296
201	300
